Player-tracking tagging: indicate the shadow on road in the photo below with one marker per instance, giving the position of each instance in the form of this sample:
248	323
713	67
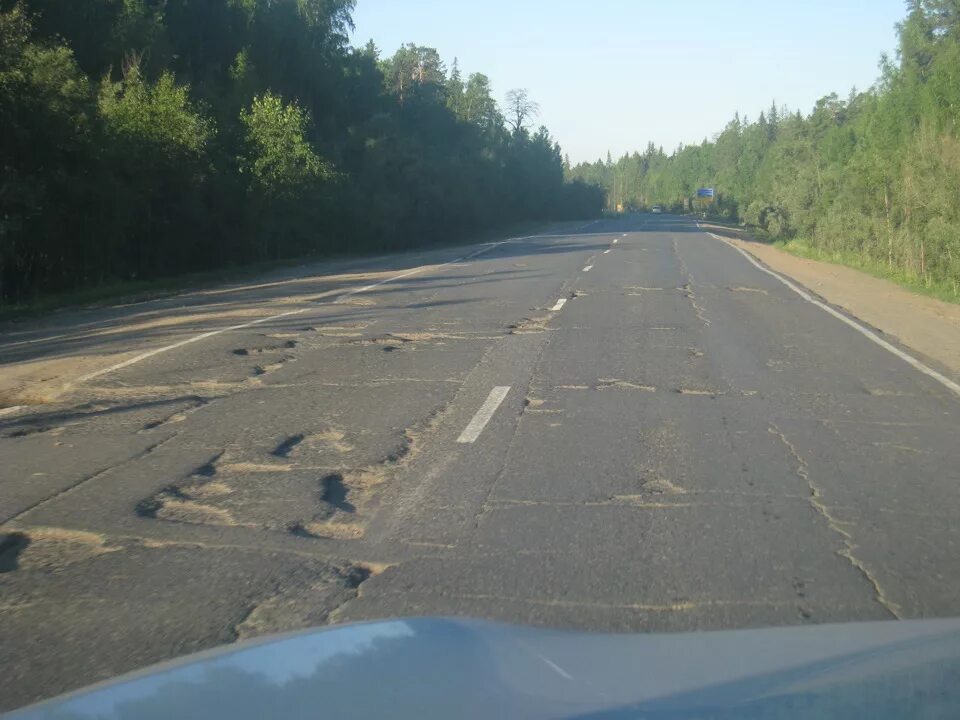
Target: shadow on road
101	332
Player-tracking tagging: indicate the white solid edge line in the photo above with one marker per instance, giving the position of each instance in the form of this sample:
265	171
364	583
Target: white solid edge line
472	431
354	291
10	410
258	321
909	359
17	343
203	336
564	235
559	304
588	268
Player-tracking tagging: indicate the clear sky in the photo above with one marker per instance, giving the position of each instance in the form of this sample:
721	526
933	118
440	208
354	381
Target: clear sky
613	74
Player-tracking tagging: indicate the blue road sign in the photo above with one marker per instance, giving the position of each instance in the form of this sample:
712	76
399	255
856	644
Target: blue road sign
705	193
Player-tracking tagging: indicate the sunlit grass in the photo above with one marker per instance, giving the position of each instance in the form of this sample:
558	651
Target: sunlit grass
948	291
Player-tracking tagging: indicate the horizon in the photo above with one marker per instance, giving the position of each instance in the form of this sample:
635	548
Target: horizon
574	65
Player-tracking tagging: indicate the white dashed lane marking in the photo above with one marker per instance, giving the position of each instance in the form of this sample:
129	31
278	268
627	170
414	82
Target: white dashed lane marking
559	304
486	411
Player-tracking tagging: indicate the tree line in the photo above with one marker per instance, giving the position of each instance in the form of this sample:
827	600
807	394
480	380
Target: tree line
147	138
874	176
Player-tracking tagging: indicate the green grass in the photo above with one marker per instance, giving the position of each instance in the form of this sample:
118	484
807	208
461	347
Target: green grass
133	291
943	290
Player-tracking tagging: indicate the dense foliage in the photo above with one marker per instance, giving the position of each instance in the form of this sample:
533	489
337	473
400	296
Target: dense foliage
875	176
143	138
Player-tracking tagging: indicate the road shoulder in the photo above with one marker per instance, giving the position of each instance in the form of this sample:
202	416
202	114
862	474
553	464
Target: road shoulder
927	325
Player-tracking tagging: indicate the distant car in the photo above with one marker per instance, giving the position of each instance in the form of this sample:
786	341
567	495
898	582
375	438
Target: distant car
657	209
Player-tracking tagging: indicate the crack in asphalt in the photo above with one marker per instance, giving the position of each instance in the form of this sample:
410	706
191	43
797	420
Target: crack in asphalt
527	391
687	288
816	502
83	481
679	606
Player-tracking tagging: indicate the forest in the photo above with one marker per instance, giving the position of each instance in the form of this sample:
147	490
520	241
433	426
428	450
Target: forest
150	138
872	178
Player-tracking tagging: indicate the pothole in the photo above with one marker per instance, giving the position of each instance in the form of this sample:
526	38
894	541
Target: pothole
529	325
268	368
286	446
327	530
704	392
33	430
209	468
425	336
154	424
180	416
50	548
640	289
334	492
614	383
12	546
319	500
252	467
211	489
193	512
330	438
662	486
246	352
308	601
388	343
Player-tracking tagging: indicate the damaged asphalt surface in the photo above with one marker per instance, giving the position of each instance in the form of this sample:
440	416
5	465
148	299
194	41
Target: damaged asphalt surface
686	444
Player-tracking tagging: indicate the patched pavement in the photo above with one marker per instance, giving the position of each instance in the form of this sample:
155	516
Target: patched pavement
682	443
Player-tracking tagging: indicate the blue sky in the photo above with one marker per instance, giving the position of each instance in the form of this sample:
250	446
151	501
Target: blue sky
613	74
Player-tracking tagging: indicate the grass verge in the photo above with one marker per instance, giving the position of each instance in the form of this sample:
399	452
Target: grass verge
946	291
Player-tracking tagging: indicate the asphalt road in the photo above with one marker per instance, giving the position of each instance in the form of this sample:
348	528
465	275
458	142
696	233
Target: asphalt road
626	426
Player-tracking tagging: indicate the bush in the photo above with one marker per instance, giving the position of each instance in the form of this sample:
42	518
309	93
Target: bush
285	177
156	142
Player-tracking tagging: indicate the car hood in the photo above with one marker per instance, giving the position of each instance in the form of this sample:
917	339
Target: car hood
435	667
